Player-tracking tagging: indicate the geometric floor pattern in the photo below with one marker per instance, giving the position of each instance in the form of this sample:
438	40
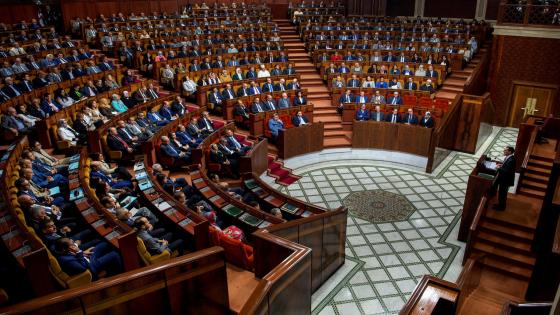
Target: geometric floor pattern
386	260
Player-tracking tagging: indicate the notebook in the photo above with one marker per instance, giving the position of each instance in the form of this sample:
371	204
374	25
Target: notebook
232	210
250	219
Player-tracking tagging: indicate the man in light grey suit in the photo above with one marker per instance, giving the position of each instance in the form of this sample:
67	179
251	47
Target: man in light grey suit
284	101
155	245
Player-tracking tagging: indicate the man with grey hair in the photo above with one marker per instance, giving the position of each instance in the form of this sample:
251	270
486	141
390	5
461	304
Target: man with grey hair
276	212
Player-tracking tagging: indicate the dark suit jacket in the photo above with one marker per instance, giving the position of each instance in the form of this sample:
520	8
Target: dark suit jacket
373	116
389	117
254	109
413	119
407	86
241	111
295	120
115	144
362	114
506	173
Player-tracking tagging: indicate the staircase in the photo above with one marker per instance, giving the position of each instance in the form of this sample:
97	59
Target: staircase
535	179
485	301
318	93
455	81
282	175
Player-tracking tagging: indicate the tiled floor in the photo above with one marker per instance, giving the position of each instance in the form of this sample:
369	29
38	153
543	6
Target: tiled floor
385	261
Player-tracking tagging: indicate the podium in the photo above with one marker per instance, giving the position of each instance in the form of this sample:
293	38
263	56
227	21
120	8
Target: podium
480	181
300	140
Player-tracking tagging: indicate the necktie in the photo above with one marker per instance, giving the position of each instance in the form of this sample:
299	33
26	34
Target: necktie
394	118
271	105
15	90
230	95
172	149
409	118
259	109
394	101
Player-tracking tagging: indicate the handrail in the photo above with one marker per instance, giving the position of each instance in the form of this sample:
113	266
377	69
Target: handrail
529	149
556	243
480	211
102	284
530	308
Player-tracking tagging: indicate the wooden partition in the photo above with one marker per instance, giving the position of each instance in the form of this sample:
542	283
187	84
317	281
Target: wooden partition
325	234
478	185
256	160
394	137
300	140
175	287
285	269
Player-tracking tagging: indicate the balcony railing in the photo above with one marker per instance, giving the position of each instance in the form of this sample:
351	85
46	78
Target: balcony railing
541	13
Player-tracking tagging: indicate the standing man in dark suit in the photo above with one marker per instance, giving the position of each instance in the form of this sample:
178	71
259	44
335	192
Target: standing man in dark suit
505	178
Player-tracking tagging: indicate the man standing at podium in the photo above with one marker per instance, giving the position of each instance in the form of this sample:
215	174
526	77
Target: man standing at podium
505	178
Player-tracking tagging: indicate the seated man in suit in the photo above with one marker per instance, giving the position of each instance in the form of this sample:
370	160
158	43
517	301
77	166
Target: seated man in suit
185	138
215	98
193	130
270	103
378	98
240	110
362	98
218	156
228	93
268	86
395	99
275	124
294	85
377	114
115	184
156	118
410	85
394	117
345	98
409	118
234	145
74	261
362	113
299	119
284	101
244	90
427	86
205	123
180	157
354	82
156	243
257	106
166	112
115	142
431	73
427	121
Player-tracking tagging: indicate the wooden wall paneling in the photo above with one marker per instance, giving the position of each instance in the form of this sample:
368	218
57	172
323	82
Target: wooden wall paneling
334	236
400	7
311	235
492	7
453	9
104	7
169	6
522	59
139	6
291	294
14	13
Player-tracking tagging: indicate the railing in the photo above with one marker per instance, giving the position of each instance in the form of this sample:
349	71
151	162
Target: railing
473	230
526	13
174	287
512	308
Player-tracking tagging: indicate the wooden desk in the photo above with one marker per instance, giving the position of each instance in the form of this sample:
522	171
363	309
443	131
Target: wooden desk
394	137
300	140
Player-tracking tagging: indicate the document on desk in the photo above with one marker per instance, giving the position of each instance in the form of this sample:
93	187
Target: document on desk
490	165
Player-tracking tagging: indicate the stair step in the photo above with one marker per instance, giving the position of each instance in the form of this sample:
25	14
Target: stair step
333	126
507	231
337	142
324	110
538	170
451	88
536	177
454	82
510	269
533	185
497	240
540	163
332	119
503	254
531	192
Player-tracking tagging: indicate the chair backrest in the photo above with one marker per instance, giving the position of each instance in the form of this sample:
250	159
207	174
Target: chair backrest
237	253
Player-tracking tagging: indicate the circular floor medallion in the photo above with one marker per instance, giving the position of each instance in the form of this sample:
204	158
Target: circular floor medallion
378	206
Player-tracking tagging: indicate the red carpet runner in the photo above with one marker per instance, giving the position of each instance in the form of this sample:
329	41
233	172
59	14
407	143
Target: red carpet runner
283	175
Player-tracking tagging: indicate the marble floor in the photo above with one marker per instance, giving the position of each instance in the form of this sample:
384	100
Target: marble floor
385	260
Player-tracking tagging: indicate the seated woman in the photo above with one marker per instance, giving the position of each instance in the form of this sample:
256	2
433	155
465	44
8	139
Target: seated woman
300	99
63	98
128	78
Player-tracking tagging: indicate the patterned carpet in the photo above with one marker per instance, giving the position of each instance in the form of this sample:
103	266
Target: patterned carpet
379	206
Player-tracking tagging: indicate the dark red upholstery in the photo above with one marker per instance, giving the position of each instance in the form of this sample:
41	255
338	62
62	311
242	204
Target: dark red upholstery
237	253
